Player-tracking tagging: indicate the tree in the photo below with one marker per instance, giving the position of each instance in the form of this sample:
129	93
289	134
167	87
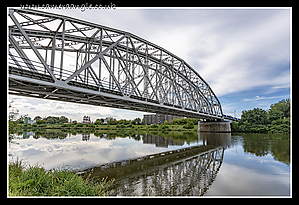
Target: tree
136	121
98	122
50	120
123	121
63	119
254	117
274	114
189	125
194	120
276	120
235	127
38	118
112	122
283	107
183	121
39	122
143	121
175	121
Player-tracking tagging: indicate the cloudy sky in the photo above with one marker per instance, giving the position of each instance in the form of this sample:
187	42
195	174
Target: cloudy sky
243	54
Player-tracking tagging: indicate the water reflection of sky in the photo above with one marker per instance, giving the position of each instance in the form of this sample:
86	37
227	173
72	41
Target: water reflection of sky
75	152
241	173
246	174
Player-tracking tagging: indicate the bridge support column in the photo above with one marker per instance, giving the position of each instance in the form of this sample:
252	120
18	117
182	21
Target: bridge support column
214	126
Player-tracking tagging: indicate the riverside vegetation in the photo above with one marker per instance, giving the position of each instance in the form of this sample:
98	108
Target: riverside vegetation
36	181
184	124
275	120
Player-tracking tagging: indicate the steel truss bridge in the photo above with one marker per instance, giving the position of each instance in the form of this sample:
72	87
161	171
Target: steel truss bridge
61	58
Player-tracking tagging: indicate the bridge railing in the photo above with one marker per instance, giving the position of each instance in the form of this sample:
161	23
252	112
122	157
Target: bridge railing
231	117
35	67
38	68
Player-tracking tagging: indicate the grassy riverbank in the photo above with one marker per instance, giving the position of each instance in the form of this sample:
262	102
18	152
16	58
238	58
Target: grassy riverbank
36	181
111	127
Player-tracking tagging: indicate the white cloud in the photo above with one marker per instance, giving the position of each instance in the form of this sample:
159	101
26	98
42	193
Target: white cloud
73	152
246	58
265	98
43	108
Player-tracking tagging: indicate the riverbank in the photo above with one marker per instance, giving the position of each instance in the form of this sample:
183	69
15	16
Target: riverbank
36	181
153	127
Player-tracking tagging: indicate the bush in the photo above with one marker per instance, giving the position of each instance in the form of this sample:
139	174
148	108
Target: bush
163	127
189	125
154	125
120	126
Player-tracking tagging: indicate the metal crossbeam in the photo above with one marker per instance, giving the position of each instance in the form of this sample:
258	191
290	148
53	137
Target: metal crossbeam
49	51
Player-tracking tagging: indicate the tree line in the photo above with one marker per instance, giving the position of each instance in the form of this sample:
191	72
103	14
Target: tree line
275	120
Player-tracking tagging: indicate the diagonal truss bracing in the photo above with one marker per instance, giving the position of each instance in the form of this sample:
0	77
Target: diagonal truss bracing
101	66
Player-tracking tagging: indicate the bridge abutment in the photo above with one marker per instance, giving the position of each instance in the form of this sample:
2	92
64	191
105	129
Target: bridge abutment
204	126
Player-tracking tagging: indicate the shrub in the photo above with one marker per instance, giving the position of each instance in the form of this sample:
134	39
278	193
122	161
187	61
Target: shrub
189	125
154	125
163	127
120	126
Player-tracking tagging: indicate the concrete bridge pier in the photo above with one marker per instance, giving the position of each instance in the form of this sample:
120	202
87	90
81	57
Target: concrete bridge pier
214	126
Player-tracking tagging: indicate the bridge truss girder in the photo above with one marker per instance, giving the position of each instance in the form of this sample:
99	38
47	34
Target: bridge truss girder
61	58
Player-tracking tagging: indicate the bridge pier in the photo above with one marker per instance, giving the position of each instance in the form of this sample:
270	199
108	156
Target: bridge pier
214	126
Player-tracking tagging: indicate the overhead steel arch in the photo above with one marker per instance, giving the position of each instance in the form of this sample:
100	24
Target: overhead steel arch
62	58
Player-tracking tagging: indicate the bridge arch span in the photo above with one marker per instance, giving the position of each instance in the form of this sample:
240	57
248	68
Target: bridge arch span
62	58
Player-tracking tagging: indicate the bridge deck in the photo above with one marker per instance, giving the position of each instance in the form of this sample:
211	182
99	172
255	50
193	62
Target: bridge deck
32	84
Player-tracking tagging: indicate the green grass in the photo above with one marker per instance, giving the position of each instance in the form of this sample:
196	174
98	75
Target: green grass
36	181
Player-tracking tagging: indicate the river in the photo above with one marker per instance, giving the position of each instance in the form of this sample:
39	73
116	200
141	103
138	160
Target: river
166	164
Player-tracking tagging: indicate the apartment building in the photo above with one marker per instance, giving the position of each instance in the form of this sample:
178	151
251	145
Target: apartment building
159	118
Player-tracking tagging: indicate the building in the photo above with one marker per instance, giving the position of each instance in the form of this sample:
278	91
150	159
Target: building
86	120
28	121
159	118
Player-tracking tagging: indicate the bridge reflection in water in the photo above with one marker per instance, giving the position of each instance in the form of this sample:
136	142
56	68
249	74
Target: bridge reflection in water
185	172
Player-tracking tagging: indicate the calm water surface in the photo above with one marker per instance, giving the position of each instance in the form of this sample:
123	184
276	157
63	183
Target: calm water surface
167	164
